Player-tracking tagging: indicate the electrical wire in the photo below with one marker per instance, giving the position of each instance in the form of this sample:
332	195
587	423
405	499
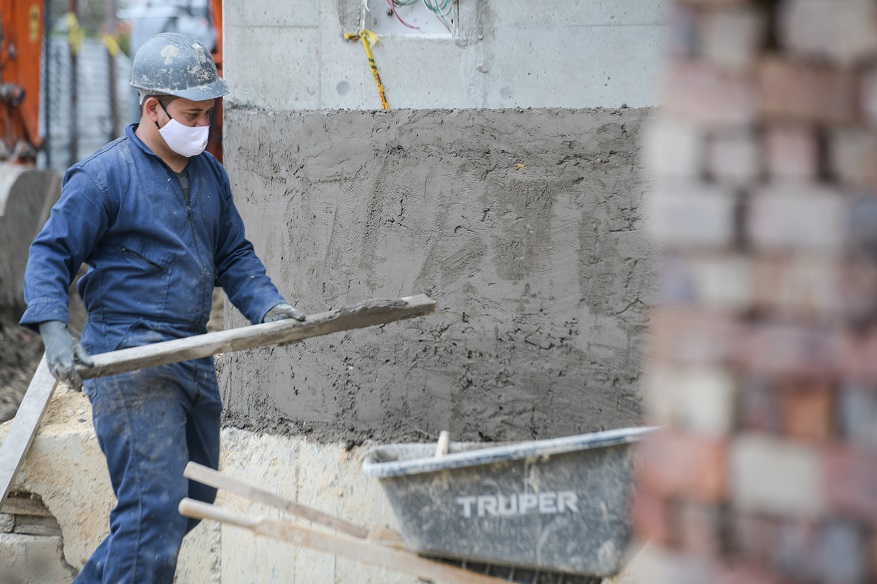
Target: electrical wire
392	4
441	8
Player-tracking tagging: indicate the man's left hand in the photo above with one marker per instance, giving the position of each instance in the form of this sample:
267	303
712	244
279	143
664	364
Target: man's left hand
283	311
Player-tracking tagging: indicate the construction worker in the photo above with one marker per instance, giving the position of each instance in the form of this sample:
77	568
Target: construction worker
152	216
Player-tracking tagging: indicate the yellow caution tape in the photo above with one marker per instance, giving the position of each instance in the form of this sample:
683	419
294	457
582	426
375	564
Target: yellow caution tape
370	39
111	44
75	34
34	23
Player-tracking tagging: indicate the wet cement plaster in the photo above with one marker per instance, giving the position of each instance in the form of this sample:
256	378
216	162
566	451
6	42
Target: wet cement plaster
523	225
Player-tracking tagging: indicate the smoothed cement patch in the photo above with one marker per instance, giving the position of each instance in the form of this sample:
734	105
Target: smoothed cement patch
523	225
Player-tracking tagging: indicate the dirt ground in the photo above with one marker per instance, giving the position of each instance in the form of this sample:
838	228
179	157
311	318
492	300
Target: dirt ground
20	352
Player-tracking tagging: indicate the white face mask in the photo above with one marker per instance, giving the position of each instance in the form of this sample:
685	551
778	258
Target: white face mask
185	140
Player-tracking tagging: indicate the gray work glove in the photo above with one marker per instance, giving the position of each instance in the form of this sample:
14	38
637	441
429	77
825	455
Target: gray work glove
63	352
283	311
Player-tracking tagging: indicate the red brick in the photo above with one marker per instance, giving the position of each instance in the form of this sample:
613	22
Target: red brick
795	91
808	408
853	156
651	516
800	287
754	538
868	96
691	216
700	528
823	29
789	349
851	482
797	218
759	405
858	355
707	96
694	337
731	38
733	158
741	573
681	465
858	292
791	152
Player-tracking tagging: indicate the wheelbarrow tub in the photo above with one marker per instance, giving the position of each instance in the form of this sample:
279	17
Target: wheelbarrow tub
558	505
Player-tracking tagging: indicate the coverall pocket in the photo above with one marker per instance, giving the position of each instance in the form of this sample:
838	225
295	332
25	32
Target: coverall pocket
141	258
142	279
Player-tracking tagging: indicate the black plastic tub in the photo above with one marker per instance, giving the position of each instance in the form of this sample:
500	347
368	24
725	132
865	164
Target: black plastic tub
559	505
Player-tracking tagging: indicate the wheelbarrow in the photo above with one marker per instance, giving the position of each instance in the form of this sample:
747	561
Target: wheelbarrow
542	512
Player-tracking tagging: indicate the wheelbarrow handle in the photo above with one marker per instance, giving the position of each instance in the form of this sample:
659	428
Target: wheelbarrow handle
351	547
201	510
218	480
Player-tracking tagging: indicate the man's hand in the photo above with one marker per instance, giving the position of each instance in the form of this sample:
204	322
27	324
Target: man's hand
283	311
63	352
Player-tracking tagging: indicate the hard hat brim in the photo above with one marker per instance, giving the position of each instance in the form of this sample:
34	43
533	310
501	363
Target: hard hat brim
178	65
216	89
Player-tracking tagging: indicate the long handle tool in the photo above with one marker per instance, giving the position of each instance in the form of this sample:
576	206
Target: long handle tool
42	387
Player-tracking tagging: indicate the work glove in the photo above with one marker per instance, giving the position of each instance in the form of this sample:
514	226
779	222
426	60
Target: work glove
63	352
283	311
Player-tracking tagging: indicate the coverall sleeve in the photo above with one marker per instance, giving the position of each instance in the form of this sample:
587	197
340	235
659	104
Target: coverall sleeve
239	270
78	221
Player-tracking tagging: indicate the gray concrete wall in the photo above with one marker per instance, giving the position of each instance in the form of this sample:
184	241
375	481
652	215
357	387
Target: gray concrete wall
523	225
291	55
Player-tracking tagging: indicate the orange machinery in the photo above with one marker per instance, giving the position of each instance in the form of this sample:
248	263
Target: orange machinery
21	40
26	194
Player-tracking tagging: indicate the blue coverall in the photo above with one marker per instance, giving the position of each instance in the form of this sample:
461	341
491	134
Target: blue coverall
154	259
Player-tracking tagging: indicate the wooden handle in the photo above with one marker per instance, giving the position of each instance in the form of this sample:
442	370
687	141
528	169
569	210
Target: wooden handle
357	549
201	510
24	425
216	479
364	314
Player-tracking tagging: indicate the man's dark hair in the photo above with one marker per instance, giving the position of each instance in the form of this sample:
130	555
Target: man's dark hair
164	100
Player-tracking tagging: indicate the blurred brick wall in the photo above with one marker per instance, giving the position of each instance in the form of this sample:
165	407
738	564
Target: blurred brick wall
763	364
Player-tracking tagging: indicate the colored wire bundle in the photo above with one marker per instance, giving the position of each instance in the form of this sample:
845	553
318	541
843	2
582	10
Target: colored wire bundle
441	8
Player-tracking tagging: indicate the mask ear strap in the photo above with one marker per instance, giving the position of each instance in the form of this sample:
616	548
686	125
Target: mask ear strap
165	111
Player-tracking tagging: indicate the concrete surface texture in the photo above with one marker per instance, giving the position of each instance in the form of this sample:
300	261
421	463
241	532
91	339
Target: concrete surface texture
522	225
66	469
502	53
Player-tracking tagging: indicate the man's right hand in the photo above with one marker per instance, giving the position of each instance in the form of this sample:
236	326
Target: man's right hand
63	352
